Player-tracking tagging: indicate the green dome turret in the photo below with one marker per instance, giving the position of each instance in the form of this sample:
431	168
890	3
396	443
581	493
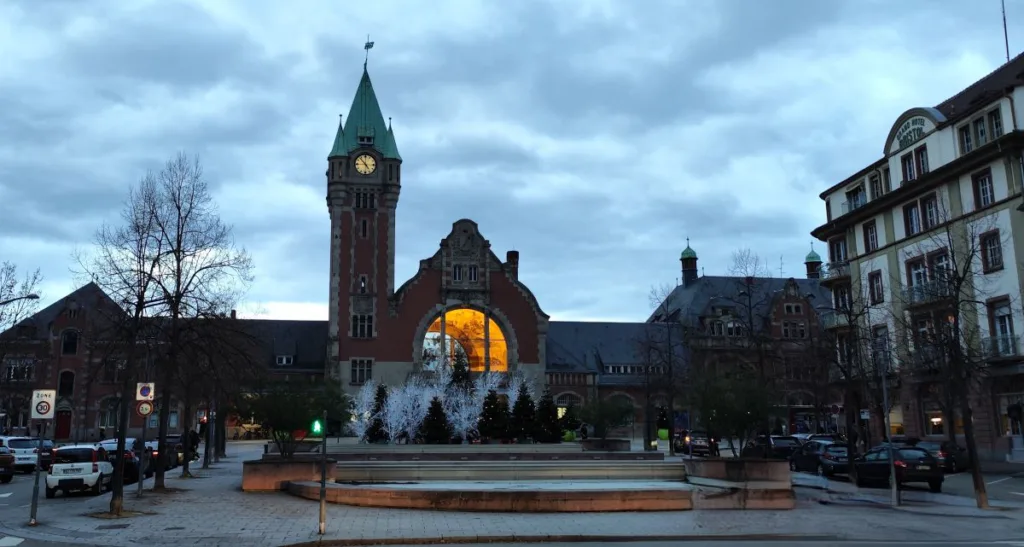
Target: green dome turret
688	252
812	257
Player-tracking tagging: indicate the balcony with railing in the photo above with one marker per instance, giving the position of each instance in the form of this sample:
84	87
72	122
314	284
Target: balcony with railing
929	292
836	271
834	320
855	202
1001	347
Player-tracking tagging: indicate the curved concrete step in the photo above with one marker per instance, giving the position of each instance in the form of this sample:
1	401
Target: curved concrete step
507	471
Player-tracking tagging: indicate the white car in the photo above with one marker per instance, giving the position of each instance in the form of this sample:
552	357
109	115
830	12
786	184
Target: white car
25	451
79	467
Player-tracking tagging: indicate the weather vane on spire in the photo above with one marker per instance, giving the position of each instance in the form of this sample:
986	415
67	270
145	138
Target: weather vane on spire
368	46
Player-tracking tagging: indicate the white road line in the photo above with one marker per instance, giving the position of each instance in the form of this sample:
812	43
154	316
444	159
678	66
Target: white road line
999	480
10	541
1017	493
7	495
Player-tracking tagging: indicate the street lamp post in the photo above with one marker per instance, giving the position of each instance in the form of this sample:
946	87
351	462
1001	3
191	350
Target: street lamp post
32	296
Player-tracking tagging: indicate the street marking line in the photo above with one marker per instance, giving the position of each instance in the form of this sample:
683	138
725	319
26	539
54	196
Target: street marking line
10	541
7	495
999	480
1017	493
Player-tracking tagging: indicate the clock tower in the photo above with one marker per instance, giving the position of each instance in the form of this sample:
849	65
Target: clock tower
364	174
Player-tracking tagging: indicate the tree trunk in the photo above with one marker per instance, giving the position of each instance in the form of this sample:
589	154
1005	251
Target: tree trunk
980	493
221	437
949	414
851	432
165	415
117	481
186	440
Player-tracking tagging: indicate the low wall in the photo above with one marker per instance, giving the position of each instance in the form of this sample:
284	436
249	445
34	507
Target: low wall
739	469
354	448
410	456
275	474
616	445
518	501
384	471
746	496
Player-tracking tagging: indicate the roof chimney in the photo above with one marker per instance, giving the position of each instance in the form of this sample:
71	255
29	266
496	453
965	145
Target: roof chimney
233	316
512	263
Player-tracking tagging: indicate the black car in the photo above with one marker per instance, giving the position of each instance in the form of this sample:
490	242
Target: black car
821	457
697	443
912	465
952	457
775	446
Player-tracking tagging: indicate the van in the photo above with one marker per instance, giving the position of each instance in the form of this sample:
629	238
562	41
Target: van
79	467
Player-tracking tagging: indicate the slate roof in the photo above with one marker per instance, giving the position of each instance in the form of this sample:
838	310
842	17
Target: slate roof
985	90
685	304
585	347
304	341
88	297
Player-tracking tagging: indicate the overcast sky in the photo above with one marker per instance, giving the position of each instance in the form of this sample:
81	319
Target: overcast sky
592	136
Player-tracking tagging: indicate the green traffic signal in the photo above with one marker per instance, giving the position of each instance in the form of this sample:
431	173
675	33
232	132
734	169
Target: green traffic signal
317	427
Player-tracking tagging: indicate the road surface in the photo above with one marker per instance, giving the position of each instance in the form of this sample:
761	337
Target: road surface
999	487
787	543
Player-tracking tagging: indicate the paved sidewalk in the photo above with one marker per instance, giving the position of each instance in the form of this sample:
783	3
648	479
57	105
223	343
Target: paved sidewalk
211	510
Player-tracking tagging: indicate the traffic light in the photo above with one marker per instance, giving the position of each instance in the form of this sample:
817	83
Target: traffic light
317	428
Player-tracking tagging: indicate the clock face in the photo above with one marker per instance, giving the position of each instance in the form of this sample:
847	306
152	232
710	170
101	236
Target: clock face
366	164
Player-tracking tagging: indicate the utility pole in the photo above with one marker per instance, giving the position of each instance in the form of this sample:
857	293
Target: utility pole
323	476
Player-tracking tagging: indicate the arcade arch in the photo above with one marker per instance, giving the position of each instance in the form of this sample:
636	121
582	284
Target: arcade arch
468	335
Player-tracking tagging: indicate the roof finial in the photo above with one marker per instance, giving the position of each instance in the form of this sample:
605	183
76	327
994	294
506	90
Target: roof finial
341	120
389	123
368	46
687	242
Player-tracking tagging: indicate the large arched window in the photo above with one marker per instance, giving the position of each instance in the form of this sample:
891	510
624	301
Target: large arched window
108	413
66	384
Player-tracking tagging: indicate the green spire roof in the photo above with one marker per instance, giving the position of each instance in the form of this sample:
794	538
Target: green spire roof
365	121
688	252
812	257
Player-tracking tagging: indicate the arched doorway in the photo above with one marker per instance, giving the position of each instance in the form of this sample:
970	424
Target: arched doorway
467	335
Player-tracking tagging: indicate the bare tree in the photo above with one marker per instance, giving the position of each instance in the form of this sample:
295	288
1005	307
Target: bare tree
665	366
124	262
747	263
941	321
16	304
202	272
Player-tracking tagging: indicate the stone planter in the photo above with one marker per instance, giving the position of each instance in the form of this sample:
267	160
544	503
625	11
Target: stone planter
274	474
606	445
739	469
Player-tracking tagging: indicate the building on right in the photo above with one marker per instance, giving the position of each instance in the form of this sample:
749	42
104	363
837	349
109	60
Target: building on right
924	267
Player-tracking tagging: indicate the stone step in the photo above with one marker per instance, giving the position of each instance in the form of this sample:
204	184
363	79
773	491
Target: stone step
507	471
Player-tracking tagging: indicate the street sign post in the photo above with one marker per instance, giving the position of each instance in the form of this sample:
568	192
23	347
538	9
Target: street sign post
144	409
43	403
144	391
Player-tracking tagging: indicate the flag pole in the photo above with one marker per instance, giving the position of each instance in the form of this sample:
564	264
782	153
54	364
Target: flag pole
1006	34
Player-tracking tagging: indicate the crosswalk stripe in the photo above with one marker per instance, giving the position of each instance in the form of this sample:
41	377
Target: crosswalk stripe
7	495
10	541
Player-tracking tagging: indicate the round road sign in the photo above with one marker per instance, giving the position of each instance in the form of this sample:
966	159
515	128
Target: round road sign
144	391
43	408
144	408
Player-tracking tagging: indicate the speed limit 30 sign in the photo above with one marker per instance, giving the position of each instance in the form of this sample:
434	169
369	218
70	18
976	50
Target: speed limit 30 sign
43	401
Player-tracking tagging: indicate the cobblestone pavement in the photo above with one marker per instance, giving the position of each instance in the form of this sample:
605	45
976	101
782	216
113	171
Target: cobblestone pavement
211	510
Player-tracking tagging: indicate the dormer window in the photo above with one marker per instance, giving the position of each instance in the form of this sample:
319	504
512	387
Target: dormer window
285	360
365	140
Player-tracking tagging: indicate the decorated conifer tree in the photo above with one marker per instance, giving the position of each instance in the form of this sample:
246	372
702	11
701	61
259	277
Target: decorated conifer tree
493	423
524	416
549	430
460	371
436	429
376	433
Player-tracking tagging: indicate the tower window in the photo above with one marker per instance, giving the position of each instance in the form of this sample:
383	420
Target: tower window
362	371
362	284
391	172
362	326
364	228
285	360
366	140
366	200
473	273
457	272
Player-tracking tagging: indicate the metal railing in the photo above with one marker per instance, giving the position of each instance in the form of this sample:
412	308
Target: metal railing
929	291
835	270
1001	347
858	201
833	320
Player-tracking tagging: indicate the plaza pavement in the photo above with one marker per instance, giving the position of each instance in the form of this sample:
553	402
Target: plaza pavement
211	510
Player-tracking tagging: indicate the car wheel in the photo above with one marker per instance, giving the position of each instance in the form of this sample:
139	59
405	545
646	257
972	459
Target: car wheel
97	488
792	465
821	470
6	479
50	493
952	464
935	486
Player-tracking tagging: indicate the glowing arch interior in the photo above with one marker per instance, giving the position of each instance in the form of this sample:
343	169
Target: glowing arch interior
471	332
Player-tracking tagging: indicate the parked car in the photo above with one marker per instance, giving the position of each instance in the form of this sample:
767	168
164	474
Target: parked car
696	443
821	457
175	451
779	447
79	467
133	454
952	457
912	465
27	454
6	465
